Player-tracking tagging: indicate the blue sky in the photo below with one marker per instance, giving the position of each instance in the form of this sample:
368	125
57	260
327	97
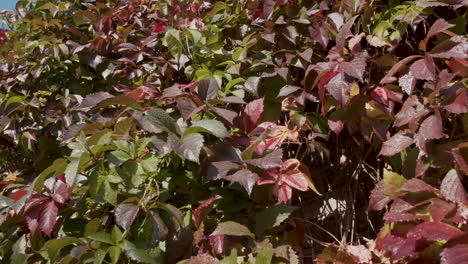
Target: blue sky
7	4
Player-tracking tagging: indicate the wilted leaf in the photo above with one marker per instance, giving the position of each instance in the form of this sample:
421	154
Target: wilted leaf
272	217
231	228
125	214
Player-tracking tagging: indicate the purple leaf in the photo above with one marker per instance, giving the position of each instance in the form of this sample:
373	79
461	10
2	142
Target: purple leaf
339	88
91	100
439	26
407	83
202	259
185	107
424	69
48	217
188	147
220	169
378	199
356	67
217	244
208	89
455	47
288	90
431	127
452	188
458	103
319	34
271	160
244	177
345	32
439	209
396	144
125	215
411	111
388	77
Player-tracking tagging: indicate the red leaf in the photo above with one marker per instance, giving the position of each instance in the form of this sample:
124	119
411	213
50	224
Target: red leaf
380	95
48	217
217	244
457	254
61	193
431	128
417	185
284	193
433	231
460	154
32	218
200	213
455	47
392	217
439	209
396	144
458	103
294	178
336	126
321	86
398	247
452	188
18	194
458	66
252	113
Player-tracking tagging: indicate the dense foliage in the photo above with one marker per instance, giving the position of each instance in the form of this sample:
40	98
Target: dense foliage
218	131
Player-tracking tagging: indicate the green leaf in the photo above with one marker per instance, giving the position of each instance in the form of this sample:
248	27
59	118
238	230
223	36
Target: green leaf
72	170
114	253
137	254
232	259
231	228
272	216
211	126
55	169
264	256
176	215
232	83
92	227
150	164
51	248
102	237
160	119
392	183
117	235
100	254
172	41
118	157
